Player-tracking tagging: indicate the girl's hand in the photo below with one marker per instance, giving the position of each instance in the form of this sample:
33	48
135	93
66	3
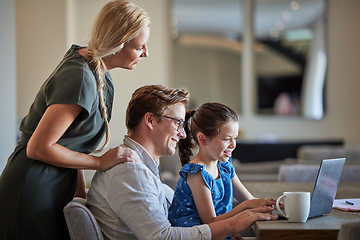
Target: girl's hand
258	214
281	204
259	202
117	155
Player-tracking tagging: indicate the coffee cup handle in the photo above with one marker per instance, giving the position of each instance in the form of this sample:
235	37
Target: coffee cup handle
278	207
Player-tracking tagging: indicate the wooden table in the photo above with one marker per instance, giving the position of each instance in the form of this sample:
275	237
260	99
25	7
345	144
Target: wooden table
325	227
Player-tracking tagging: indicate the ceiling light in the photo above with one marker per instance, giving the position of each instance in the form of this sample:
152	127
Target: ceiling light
286	16
294	5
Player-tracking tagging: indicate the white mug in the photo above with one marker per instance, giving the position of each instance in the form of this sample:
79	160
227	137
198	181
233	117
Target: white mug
296	205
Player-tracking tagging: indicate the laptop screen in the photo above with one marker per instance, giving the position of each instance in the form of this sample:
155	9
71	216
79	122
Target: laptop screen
326	185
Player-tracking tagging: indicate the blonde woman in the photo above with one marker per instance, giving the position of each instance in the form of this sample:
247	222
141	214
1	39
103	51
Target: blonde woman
67	120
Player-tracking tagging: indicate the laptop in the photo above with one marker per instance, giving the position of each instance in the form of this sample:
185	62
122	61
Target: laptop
325	187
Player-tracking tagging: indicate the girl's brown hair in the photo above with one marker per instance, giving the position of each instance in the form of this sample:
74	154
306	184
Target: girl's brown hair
208	119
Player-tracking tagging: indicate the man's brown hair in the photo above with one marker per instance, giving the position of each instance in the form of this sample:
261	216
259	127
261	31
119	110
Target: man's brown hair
155	99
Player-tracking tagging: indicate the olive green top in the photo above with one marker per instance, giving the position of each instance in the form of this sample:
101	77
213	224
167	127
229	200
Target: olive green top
34	193
72	82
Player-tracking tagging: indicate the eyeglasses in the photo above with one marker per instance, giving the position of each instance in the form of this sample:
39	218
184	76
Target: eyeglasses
180	124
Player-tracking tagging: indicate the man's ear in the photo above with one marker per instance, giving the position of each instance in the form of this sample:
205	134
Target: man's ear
201	138
149	119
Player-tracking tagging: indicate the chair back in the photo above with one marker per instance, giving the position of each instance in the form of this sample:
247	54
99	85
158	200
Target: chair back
298	173
308	173
81	223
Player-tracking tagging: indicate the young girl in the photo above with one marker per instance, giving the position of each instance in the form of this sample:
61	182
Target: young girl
208	182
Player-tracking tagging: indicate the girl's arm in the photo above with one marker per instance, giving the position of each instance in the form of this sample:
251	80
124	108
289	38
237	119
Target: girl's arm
204	203
240	192
43	145
246	199
202	197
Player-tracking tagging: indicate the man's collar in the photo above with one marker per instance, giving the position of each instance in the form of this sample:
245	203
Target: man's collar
152	164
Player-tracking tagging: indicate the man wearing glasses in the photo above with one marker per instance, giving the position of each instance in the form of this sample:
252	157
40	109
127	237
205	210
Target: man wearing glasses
128	200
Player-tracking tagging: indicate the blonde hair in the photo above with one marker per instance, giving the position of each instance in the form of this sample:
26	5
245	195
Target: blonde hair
117	23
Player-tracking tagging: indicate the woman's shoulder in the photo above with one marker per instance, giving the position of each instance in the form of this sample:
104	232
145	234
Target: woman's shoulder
76	64
72	77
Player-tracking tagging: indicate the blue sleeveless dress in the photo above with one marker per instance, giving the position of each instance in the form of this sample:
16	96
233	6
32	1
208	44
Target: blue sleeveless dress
182	211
